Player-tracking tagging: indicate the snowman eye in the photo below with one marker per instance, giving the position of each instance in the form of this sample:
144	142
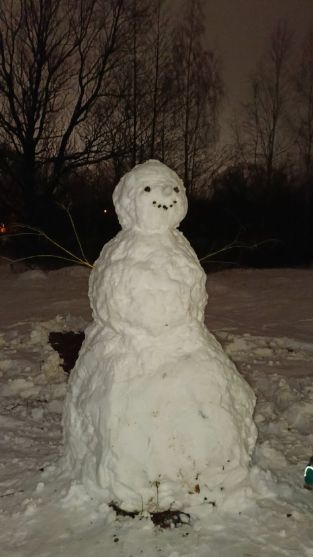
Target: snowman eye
147	188
176	189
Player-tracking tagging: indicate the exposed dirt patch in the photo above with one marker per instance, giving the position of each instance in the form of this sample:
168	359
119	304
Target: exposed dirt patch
163	519
68	346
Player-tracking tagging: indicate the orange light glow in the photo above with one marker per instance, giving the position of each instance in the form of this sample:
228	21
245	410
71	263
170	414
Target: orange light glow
3	228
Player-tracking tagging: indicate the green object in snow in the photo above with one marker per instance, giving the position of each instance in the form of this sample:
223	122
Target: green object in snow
308	474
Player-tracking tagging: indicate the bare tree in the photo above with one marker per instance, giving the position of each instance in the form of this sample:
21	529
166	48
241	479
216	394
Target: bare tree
168	91
143	85
56	57
199	91
133	80
304	95
161	83
264	139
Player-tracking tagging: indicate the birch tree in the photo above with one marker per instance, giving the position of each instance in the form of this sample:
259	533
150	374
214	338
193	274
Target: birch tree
199	91
304	97
265	125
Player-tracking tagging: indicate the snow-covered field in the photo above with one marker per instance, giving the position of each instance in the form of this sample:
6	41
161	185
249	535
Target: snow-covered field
264	319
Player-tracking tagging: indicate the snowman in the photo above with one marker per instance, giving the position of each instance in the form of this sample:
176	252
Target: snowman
157	417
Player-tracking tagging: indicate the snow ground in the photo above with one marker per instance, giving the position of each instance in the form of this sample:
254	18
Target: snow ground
264	319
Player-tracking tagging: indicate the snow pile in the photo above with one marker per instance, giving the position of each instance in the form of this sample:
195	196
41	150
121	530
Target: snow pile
35	518
157	416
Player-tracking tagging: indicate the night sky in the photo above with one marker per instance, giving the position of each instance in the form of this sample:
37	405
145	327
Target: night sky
240	30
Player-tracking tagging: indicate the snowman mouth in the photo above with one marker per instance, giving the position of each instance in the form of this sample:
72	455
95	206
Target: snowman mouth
164	206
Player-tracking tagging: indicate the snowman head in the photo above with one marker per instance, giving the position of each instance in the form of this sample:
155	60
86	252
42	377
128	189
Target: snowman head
150	197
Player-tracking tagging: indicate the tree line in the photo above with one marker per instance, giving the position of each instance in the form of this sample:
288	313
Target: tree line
274	130
101	82
266	190
88	88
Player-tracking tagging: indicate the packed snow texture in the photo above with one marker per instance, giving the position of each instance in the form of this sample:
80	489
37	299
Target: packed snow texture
156	416
265	324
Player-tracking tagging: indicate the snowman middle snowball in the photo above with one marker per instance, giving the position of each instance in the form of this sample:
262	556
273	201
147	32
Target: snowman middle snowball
156	415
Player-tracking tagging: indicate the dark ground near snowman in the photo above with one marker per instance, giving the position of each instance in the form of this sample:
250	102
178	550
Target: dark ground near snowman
264	320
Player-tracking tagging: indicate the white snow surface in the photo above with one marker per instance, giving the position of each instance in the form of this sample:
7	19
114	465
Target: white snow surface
151	198
264	320
157	416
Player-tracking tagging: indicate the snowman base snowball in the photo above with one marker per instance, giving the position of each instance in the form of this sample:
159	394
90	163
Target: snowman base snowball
156	415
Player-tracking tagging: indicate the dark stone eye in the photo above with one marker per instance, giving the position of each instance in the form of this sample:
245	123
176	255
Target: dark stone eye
147	188
176	190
